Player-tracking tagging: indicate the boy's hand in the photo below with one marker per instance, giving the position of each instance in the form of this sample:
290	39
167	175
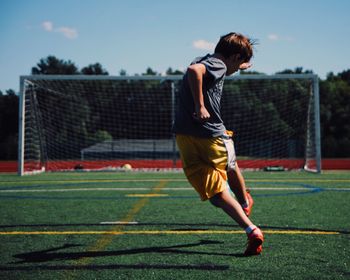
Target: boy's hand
201	114
245	66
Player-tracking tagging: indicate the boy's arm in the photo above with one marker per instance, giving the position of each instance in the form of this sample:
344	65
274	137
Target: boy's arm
195	74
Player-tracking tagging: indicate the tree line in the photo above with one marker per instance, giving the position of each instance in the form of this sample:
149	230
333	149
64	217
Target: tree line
334	105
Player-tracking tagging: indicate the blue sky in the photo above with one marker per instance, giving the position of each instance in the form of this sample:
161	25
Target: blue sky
136	34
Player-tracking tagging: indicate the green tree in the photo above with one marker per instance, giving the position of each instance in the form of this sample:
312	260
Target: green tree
94	69
150	72
170	71
54	66
335	115
8	125
100	136
297	70
122	72
345	76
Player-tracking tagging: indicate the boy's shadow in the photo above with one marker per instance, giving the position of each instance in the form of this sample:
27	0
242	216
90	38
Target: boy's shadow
52	254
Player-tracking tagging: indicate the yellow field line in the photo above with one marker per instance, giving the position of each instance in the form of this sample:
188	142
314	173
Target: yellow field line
160	232
147	195
107	238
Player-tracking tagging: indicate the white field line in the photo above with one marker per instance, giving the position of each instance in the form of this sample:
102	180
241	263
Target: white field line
165	189
275	180
118	223
74	190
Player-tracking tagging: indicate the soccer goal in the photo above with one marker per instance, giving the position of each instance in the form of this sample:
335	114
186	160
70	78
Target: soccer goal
86	123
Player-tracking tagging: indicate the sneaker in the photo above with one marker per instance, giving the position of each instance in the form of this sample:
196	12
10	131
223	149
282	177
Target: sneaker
248	210
255	240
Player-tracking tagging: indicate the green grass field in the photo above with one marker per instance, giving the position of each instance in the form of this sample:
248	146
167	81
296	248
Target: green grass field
153	226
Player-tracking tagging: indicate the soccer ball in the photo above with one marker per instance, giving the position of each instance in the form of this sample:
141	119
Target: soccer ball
127	166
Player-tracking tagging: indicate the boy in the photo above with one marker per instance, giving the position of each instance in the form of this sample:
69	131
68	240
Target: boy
206	148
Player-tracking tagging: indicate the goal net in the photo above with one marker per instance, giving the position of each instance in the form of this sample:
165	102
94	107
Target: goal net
104	122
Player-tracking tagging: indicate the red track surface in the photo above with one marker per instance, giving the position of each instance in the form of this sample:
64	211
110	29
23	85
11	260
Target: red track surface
327	164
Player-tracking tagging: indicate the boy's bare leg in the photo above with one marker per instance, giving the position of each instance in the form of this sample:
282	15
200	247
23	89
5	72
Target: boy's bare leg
237	184
226	202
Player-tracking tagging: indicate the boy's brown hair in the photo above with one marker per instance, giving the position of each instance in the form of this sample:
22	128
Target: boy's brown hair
235	43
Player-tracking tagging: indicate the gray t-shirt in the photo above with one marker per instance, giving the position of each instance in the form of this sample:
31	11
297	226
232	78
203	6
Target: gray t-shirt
212	91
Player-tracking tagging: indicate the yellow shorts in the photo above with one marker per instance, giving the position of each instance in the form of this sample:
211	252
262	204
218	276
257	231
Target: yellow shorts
206	161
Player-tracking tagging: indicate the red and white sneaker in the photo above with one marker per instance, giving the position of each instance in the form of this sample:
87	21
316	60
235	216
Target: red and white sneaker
248	210
255	241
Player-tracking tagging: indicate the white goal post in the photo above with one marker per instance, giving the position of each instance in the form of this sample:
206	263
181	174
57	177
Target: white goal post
83	122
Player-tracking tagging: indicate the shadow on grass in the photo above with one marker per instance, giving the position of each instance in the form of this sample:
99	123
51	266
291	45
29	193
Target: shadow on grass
201	267
52	254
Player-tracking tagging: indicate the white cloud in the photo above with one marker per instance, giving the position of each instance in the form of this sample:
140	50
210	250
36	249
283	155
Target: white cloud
47	25
203	45
68	32
273	37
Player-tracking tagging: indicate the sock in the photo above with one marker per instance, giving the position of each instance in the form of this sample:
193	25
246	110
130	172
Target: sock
249	229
